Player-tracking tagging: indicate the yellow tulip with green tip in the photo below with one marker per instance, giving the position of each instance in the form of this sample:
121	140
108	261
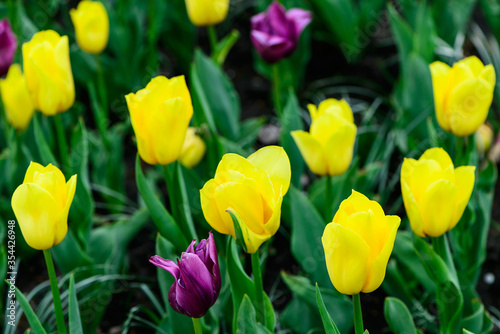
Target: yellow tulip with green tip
16	98
328	146
253	189
207	12
358	244
41	205
160	115
435	193
91	23
47	69
462	94
193	149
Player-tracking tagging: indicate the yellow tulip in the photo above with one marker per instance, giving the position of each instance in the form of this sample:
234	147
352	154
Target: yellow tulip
358	244
484	138
435	193
253	189
193	149
16	98
41	205
160	115
328	146
207	12
91	26
462	94
48	72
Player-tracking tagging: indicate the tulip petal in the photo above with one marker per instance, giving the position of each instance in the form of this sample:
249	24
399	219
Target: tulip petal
338	108
440	85
211	210
407	169
311	151
274	160
412	210
379	265
346	256
33	169
488	74
177	87
167	265
36	212
234	162
464	180
62	225
437	213
277	19
469	103
439	155
300	19
339	149
194	271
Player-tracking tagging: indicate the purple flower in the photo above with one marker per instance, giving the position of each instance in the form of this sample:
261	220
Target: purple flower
8	45
276	32
197	278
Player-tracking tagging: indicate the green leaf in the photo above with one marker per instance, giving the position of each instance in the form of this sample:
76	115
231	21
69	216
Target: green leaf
246	317
398	316
225	45
474	321
163	220
33	320
69	255
75	321
184	201
240	239
330	327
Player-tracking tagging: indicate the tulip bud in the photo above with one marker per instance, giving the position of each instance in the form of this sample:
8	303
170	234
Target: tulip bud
8	46
41	205
193	149
48	72
160	115
91	26
253	189
197	278
275	33
435	193
484	138
358	244
462	94
207	12
16	98
328	146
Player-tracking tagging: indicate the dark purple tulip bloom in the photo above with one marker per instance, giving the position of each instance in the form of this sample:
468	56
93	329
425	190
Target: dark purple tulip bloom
8	45
276	32
197	278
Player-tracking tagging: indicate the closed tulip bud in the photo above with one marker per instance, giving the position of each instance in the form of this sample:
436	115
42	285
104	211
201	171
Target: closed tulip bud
328	146
193	149
253	189
48	72
160	115
275	33
484	138
41	205
91	26
435	193
197	278
207	12
462	94
8	46
16	98
358	244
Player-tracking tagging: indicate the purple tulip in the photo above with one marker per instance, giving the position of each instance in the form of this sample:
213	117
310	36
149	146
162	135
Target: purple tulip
276	32
8	45
197	278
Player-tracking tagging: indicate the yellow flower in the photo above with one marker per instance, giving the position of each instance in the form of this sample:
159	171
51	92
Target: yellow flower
207	12
253	189
41	205
48	72
327	148
160	115
91	26
435	194
462	94
358	244
193	149
16	98
484	138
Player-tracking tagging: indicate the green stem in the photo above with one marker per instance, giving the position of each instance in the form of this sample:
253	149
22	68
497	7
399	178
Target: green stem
458	151
101	86
276	89
442	248
212	35
358	316
197	326
63	144
259	288
61	327
169	180
329	199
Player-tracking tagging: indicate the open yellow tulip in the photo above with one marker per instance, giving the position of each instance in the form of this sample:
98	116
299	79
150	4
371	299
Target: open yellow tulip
435	193
253	189
41	205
